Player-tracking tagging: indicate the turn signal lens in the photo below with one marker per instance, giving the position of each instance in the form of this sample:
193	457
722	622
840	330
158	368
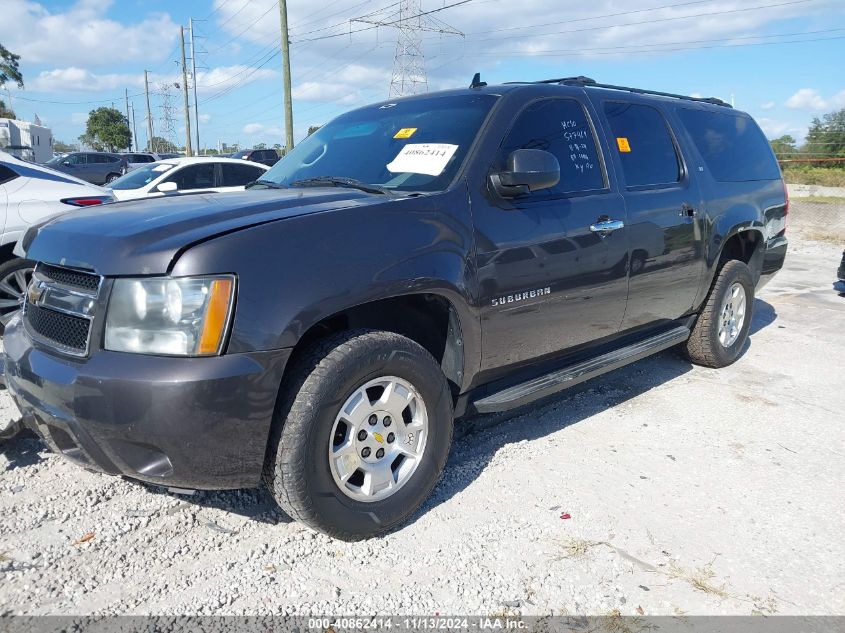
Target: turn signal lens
216	316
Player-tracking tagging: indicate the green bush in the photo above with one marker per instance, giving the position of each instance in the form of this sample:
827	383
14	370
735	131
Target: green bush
807	175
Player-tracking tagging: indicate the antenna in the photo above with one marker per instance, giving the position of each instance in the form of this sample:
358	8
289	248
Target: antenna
409	75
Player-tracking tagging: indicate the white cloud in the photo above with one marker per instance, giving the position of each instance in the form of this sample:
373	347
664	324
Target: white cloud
81	35
205	118
222	77
255	129
807	99
74	79
768	105
773	129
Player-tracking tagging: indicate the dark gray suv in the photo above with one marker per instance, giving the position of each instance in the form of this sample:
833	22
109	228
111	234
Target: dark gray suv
97	168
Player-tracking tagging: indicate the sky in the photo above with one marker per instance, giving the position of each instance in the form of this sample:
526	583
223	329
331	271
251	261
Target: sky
779	60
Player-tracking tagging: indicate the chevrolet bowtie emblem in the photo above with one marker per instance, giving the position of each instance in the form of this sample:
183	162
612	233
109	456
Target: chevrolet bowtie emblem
379	438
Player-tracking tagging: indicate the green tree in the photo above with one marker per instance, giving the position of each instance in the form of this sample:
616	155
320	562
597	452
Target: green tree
260	146
9	67
784	146
312	129
59	146
107	129
827	136
6	112
158	144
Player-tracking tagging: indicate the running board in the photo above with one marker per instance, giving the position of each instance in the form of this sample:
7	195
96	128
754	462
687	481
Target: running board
561	379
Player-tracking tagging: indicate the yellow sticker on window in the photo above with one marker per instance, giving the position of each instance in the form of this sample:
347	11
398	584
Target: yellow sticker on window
623	144
405	132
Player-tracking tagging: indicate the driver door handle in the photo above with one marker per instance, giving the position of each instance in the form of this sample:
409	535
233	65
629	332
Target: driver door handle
604	227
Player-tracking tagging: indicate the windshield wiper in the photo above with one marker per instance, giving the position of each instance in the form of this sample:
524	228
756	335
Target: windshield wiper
339	181
264	183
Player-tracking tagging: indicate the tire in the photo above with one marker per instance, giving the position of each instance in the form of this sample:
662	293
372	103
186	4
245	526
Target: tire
112	178
307	424
14	277
704	346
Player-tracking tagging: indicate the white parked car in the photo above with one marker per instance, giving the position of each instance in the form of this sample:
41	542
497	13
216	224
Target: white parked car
29	194
186	175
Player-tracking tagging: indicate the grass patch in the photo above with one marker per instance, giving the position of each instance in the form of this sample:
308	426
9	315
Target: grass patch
578	547
700	579
806	175
819	199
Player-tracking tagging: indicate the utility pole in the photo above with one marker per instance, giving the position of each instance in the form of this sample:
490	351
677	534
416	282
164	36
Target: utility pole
283	21
188	150
149	114
134	129
194	78
126	98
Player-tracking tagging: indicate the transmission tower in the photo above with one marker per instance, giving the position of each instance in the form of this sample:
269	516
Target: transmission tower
168	115
409	76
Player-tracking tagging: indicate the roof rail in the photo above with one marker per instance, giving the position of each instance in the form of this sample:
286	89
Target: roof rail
592	83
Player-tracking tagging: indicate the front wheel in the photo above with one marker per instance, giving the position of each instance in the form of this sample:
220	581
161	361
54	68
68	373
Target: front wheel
721	329
15	275
112	178
362	434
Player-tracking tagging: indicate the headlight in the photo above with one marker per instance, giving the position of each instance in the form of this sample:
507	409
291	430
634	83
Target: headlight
186	316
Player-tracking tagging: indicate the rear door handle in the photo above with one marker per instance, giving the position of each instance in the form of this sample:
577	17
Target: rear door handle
603	227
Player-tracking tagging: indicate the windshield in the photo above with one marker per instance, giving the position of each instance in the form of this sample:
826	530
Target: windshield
240	154
56	159
414	145
140	177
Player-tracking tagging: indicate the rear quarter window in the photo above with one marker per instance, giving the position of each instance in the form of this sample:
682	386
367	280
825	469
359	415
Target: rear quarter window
732	145
6	175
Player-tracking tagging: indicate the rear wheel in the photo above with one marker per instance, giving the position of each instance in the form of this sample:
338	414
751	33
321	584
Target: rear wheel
15	275
361	435
722	327
112	178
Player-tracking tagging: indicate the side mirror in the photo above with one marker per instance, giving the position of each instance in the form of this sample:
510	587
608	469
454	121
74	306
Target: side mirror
528	170
168	187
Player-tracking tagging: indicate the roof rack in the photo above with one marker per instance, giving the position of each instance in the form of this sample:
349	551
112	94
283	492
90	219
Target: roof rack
592	83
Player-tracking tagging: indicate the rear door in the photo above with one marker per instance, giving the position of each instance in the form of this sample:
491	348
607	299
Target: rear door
662	203
194	178
234	176
547	282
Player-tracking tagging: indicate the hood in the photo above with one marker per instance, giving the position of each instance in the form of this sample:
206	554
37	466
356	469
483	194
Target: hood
143	237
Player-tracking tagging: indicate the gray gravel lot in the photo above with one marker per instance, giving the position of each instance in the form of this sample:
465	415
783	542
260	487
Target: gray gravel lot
687	490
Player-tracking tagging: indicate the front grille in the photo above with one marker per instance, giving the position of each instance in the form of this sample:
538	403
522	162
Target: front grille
60	308
65	331
69	277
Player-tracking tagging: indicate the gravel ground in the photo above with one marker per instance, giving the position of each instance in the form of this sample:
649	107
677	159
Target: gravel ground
660	488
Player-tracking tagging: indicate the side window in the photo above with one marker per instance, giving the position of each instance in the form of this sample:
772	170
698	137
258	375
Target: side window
239	175
644	143
78	159
559	126
6	174
732	145
112	159
97	158
194	177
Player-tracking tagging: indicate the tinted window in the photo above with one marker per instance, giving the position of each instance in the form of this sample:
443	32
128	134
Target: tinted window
194	177
239	175
6	174
78	159
732	145
642	138
559	126
97	158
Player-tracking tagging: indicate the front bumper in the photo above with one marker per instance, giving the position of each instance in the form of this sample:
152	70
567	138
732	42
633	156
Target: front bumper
198	423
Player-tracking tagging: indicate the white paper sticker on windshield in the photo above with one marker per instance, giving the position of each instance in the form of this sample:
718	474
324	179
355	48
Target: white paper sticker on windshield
423	158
